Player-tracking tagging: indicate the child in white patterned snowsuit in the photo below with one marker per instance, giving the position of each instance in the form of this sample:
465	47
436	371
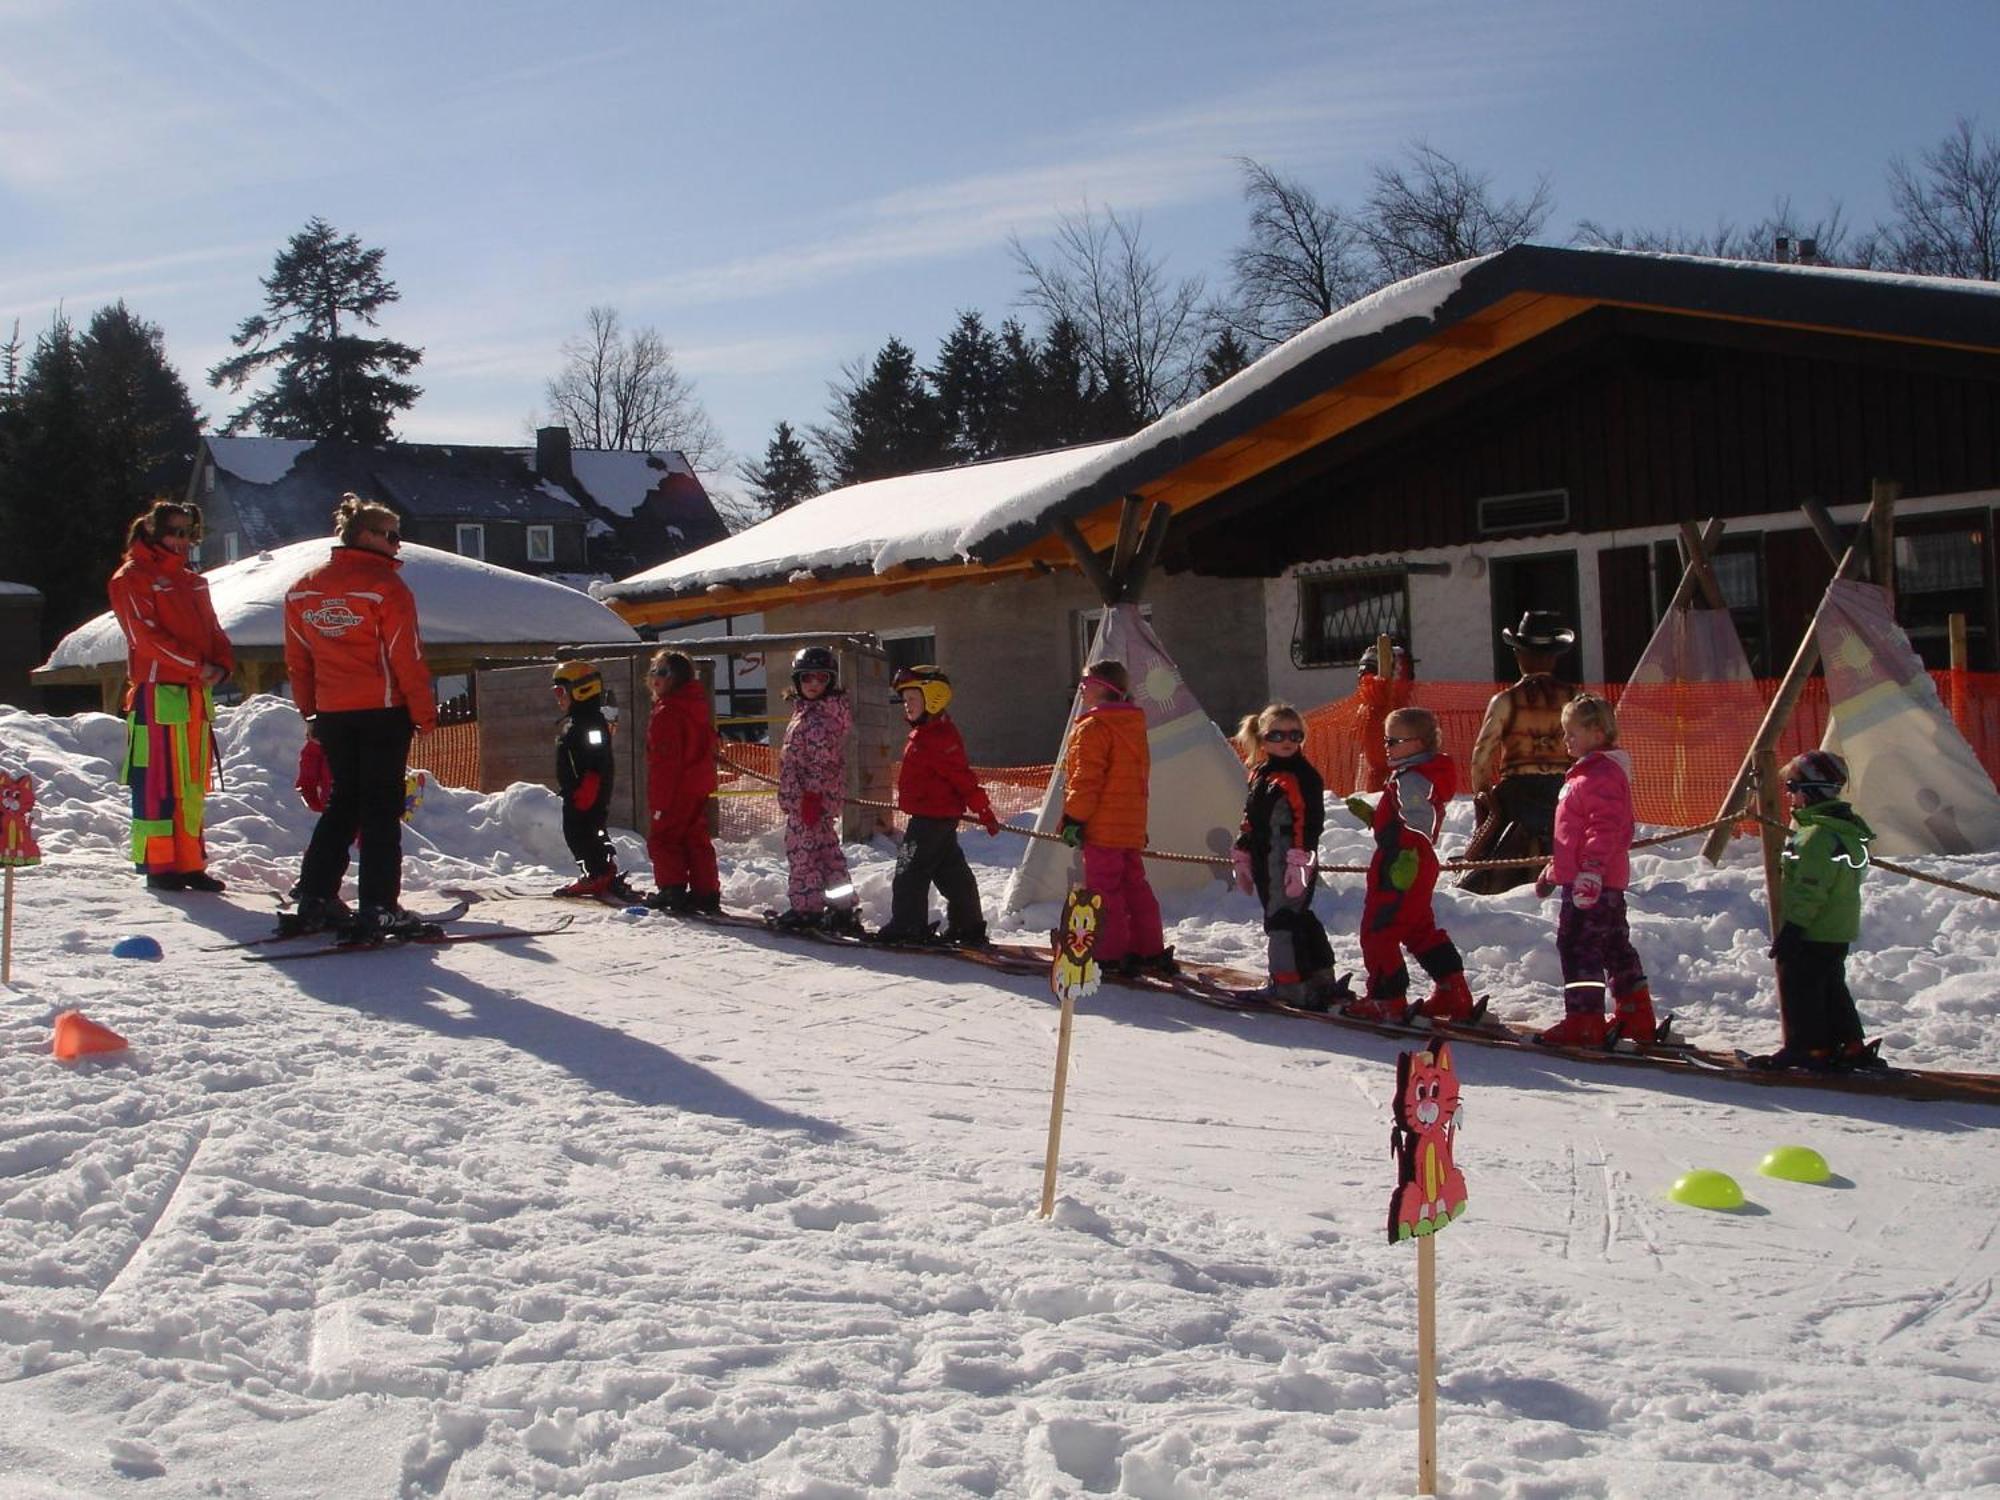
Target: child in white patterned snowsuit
812	778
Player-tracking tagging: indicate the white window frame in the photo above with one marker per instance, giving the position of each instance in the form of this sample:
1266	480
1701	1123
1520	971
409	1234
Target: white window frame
475	533
541	544
1087	621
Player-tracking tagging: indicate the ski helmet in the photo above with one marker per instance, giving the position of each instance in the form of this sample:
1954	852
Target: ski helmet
928	680
580	679
1819	774
816	659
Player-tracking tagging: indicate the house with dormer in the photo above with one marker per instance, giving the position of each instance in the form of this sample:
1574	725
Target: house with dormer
552	511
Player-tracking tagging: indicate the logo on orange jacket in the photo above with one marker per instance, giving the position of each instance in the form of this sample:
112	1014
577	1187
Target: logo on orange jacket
332	618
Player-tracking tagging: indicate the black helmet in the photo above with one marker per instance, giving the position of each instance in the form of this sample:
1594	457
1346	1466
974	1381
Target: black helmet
928	680
815	659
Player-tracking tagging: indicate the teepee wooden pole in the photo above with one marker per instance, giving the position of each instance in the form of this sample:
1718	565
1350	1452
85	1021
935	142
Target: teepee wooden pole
1088	560
1056	1107
1150	546
7	930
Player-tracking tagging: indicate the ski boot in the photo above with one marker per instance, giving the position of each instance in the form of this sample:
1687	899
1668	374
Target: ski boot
1579	1028
1861	1057
201	880
1636	1022
622	889
668	898
171	880
842	921
1285	988
315	914
967	937
1159	965
1391	1008
1322	988
587	885
893	936
375	925
705	903
1451	1002
795	920
1789	1058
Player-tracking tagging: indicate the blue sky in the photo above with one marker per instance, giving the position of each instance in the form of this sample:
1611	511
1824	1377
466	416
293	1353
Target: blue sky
778	188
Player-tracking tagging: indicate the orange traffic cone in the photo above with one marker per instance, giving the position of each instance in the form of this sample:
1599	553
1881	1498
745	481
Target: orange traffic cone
78	1036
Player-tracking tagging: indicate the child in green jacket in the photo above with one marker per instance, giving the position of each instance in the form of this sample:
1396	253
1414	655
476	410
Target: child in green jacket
1819	905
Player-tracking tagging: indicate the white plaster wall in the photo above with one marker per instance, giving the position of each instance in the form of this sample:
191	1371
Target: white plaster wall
1451	623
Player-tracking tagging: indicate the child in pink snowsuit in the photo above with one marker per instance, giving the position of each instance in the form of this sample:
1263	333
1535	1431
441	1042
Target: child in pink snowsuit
812	778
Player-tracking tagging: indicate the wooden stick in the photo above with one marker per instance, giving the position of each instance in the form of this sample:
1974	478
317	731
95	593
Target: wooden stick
1129	515
1824	528
1092	565
7	930
1778	715
1148	557
1882	497
1699	546
1056	1107
1427	1396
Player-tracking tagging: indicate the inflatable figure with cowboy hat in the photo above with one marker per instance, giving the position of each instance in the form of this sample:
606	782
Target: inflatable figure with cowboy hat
1518	758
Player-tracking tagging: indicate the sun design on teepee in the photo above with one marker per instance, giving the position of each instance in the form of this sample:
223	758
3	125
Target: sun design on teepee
1159	684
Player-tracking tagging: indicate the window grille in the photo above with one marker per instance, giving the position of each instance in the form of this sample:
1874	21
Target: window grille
1342	612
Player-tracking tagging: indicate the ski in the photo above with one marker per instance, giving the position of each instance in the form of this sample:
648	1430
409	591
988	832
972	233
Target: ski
441	940
432	918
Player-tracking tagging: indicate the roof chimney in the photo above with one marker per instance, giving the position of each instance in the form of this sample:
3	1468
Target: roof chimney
552	455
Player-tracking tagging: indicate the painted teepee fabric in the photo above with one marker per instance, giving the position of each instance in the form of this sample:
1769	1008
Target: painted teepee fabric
1687	710
1912	776
1196	798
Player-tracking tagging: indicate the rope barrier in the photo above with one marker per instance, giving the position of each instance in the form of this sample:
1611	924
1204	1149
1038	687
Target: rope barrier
1895	869
1217	861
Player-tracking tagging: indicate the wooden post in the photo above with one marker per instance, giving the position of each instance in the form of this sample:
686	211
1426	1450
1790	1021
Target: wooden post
1129	515
1087	560
1385	658
1133	586
1770	804
1778	715
1698	545
1882	498
7	930
1056	1107
1427	1396
1956	631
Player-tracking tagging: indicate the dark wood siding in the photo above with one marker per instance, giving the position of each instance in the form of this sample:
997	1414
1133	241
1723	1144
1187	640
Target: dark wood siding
1645	419
1625	603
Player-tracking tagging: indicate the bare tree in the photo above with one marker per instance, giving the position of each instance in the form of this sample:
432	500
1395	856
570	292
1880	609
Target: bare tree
1431	211
1948	210
1824	241
1137	325
1304	259
622	390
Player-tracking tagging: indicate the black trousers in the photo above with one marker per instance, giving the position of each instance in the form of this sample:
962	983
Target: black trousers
585	834
930	856
366	752
1814	1007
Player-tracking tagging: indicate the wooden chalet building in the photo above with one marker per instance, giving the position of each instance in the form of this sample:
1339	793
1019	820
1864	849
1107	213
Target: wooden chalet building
550	511
1529	429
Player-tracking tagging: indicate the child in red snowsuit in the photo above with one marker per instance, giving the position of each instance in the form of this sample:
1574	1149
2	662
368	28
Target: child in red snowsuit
935	787
680	778
1402	875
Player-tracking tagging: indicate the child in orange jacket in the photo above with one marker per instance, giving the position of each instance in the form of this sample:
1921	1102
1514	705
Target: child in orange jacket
1107	772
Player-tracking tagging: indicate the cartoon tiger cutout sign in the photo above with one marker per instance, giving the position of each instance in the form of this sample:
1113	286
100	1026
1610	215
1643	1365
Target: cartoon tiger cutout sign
1430	1190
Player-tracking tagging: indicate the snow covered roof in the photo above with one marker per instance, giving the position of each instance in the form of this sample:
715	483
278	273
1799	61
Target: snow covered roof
460	602
621	482
1343	371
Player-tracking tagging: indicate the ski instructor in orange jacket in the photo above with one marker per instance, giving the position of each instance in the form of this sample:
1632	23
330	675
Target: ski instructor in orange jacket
358	677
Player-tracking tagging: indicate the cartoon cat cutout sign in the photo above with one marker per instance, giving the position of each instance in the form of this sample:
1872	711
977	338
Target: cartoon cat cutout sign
1430	1191
1073	974
17	834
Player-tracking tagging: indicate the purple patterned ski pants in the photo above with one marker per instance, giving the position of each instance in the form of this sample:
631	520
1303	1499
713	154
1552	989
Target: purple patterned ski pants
1595	948
814	853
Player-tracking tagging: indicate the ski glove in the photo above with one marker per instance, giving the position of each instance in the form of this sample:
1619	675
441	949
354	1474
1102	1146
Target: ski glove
1245	881
1589	886
990	821
1545	882
1072	832
1403	870
1298	870
811	807
1791	937
1363	809
315	783
585	795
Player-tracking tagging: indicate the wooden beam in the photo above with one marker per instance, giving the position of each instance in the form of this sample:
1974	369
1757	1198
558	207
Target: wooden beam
1149	553
1883	495
1824	528
1698	545
1466	336
1088	560
1130	511
1376	385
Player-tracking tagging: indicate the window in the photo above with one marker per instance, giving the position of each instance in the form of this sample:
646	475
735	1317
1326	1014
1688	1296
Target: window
471	540
910	648
541	544
1532	510
230	546
1343	610
1941	571
1738	565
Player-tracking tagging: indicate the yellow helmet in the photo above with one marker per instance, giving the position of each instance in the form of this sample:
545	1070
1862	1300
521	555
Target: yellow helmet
580	679
930	681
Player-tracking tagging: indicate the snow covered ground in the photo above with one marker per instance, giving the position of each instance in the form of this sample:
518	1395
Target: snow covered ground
657	1209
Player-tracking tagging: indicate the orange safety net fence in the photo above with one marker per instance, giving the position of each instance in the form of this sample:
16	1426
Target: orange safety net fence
1686	739
450	753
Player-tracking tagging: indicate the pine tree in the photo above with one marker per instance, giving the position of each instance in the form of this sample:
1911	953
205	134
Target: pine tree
970	379
785	477
144	425
885	423
329	382
1226	355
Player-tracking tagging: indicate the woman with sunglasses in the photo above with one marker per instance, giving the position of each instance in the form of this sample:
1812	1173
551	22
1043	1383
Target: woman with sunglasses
358	676
175	655
1276	851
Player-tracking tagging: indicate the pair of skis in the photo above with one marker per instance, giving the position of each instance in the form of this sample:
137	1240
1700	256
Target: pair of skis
427	931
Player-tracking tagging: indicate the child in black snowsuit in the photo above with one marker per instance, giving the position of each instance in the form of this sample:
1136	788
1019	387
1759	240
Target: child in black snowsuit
584	771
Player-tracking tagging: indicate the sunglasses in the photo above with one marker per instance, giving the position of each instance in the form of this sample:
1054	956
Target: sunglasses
387	536
1286	736
180	531
1400	739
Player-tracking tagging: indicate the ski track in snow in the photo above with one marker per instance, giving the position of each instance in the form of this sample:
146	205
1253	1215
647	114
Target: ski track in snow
652	1208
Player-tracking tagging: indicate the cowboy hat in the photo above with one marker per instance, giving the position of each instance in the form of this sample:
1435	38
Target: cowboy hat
1540	630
